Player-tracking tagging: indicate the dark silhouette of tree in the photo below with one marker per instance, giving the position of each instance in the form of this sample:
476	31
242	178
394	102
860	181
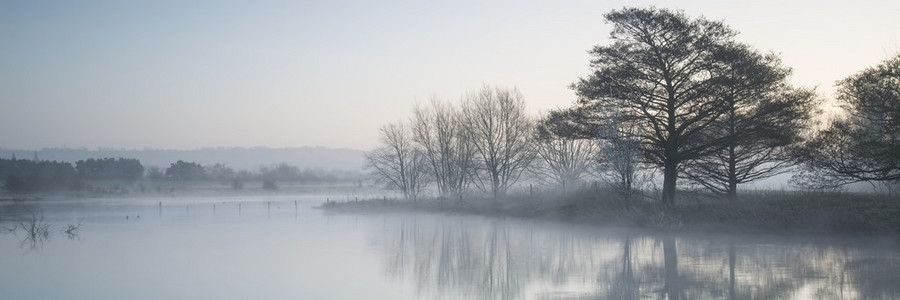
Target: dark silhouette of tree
763	121
185	171
663	72
25	176
865	144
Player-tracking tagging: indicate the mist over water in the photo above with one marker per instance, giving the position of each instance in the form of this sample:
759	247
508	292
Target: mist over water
265	247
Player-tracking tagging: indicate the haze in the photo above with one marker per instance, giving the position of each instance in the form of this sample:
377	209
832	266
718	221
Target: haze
168	74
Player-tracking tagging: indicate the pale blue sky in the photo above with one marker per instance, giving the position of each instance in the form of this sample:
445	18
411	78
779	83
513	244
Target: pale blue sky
173	74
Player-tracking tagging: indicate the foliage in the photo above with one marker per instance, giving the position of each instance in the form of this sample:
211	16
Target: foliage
110	169
220	172
665	74
185	171
280	172
763	122
865	145
21	175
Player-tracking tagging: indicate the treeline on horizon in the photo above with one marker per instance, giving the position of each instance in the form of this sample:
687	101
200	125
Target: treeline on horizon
671	97
28	176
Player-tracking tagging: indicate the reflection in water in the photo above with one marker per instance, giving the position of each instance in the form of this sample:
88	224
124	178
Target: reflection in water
464	257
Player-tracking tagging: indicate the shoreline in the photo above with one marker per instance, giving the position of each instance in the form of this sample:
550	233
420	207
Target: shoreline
783	213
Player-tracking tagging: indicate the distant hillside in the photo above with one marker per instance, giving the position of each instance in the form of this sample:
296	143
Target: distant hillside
236	158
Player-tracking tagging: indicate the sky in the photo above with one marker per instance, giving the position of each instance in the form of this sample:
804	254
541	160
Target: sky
195	74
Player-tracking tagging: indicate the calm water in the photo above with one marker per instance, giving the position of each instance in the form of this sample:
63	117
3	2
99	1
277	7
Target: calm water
270	248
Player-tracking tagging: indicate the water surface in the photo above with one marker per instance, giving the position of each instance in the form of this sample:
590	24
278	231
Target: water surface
280	248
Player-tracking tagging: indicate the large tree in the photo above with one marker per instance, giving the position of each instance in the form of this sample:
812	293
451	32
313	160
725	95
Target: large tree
663	71
763	121
500	133
864	145
398	162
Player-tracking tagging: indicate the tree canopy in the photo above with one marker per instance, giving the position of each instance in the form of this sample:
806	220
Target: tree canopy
663	71
865	144
763	121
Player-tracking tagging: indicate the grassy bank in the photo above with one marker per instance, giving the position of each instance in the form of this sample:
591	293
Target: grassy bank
778	212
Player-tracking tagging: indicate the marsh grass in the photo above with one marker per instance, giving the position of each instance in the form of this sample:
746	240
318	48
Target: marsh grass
754	211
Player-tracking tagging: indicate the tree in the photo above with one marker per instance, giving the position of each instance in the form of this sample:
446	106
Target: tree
763	121
22	175
500	133
398	162
437	130
864	145
617	144
128	169
619	158
563	160
662	72
280	172
185	171
220	172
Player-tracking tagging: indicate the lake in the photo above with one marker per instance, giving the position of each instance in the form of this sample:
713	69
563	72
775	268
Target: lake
279	247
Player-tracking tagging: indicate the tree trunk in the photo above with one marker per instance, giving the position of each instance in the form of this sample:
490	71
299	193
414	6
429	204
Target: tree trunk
731	193
670	174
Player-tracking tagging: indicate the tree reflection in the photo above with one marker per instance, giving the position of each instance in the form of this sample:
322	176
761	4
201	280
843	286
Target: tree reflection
34	231
482	258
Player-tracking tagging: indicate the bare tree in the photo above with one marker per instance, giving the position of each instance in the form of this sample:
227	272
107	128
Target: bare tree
619	158
437	130
562	161
617	153
398	162
500	133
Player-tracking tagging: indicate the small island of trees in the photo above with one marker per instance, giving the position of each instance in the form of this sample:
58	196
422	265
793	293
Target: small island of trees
675	110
